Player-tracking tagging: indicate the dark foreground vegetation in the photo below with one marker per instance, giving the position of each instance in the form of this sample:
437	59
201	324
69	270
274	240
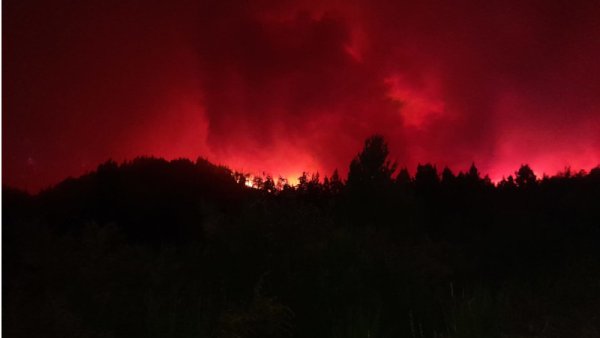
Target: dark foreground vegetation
152	248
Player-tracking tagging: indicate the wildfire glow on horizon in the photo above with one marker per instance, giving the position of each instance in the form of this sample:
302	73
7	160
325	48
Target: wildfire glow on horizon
286	87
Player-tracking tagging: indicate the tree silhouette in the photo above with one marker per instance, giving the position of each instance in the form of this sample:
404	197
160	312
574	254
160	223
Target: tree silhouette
426	178
507	183
403	179
371	167
448	176
334	184
525	177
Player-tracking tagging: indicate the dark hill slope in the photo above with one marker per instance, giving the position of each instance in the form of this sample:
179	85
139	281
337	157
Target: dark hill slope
149	199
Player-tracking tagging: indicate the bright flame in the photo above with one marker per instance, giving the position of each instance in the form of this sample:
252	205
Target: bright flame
280	181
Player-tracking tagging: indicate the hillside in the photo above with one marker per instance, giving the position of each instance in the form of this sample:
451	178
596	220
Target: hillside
156	248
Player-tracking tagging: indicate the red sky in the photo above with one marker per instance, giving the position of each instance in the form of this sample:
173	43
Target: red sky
287	86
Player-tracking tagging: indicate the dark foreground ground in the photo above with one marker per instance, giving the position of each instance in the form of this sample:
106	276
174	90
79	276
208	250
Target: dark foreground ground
153	248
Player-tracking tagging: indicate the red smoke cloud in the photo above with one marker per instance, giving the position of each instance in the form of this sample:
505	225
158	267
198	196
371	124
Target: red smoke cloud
283	87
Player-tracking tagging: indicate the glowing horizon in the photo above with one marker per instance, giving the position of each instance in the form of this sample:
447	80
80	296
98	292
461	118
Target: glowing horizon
297	86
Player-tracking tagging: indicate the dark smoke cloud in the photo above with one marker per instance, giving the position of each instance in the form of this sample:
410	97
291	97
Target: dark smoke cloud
289	86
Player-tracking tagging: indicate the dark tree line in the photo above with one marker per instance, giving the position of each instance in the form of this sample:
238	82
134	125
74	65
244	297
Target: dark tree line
152	248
